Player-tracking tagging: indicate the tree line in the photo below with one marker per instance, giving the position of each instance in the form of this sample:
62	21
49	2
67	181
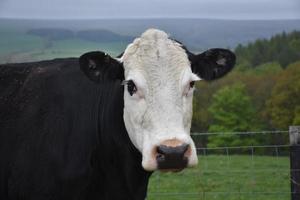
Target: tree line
261	93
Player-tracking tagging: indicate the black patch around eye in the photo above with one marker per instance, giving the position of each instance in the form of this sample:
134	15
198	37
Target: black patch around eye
192	83
131	87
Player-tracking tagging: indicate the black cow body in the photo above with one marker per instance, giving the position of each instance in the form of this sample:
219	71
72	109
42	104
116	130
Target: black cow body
63	136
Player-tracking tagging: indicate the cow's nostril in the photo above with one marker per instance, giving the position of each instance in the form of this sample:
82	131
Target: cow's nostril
160	157
161	149
178	150
171	157
183	148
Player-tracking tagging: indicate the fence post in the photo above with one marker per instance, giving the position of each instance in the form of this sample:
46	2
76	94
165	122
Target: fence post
294	132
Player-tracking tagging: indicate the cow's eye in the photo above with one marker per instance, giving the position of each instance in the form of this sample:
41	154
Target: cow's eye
131	87
192	83
189	88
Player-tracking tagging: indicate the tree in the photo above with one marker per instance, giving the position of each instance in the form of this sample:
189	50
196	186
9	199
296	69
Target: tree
283	107
232	110
296	120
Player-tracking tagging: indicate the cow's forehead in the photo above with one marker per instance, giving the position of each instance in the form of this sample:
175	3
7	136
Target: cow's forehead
154	54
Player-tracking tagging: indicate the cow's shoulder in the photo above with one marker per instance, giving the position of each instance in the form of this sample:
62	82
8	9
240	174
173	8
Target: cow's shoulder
22	81
17	75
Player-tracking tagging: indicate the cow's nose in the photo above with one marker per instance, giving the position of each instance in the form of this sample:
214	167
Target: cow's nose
172	158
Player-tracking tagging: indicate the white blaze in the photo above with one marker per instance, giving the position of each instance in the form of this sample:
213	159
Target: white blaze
162	107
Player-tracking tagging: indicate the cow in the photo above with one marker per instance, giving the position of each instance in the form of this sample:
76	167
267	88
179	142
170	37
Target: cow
96	127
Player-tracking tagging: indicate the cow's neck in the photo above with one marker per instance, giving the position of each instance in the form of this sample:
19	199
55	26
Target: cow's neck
117	160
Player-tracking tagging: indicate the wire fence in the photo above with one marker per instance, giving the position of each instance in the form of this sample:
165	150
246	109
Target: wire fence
257	171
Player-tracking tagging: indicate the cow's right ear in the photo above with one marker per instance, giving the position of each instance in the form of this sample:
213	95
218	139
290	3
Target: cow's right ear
99	66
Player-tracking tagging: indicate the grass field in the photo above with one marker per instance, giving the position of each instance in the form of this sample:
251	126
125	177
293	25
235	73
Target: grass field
220	177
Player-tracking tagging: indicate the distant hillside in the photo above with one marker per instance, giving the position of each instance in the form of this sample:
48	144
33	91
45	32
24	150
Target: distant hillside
52	33
31	40
196	34
89	35
102	36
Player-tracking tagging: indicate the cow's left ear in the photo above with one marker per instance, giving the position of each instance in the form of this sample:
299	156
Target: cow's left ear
212	64
99	66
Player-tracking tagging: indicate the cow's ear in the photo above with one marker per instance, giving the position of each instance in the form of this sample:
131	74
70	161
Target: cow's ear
99	66
212	64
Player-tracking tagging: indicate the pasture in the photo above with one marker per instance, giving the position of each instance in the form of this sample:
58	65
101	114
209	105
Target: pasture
219	177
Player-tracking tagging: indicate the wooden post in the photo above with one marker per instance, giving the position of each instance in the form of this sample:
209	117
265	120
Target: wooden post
295	161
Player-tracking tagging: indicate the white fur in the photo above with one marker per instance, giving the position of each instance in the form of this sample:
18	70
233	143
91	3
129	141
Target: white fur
162	108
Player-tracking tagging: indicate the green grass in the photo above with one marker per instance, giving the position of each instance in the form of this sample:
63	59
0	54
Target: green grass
219	177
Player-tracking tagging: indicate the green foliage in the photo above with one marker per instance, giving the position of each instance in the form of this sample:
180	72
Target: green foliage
232	110
284	104
282	48
296	120
258	83
265	69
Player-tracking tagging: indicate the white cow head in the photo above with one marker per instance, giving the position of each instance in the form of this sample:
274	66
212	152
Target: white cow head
158	74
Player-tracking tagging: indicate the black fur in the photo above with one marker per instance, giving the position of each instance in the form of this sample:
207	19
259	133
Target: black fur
99	66
206	65
63	136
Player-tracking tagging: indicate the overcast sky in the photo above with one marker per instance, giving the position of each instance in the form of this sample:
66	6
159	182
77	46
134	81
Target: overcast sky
222	9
